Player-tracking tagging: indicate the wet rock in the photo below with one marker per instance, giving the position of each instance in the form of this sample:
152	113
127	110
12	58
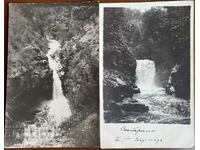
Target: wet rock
119	64
129	100
179	81
170	89
117	86
118	93
114	107
78	61
111	110
124	91
134	107
40	58
28	82
133	101
136	90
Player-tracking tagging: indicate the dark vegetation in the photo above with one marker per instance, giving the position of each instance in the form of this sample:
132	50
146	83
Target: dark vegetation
29	76
79	57
28	72
167	32
161	34
79	72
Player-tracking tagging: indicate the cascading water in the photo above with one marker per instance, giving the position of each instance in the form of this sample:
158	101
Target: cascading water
163	108
59	106
45	127
145	73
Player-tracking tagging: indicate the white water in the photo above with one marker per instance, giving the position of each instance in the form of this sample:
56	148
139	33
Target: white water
163	108
59	106
45	127
145	74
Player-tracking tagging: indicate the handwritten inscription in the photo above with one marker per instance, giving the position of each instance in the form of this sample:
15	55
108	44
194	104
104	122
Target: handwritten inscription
139	139
140	135
137	130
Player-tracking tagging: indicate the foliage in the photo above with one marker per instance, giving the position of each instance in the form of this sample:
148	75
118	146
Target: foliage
161	34
79	60
29	76
28	70
167	34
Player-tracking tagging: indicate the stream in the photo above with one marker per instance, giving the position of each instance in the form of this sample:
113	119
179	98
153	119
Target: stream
163	108
44	128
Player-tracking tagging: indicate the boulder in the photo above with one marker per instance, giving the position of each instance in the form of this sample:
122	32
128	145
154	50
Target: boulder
136	90
129	100
118	93
170	89
114	108
133	101
134	107
179	81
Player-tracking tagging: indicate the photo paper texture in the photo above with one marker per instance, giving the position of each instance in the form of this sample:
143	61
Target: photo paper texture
146	75
52	76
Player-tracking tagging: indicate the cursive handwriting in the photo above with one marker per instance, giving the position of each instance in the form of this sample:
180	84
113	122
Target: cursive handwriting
139	139
142	140
137	130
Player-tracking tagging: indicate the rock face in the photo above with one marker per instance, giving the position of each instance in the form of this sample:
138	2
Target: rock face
29	78
116	87
179	81
119	67
134	107
79	65
28	83
165	40
79	73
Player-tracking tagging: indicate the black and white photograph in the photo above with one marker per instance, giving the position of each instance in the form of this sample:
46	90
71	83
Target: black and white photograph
52	95
147	75
147	65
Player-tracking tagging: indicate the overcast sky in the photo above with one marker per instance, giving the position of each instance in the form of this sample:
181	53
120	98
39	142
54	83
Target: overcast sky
143	8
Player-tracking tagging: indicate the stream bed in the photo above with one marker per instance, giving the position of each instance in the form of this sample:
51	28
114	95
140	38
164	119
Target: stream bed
43	129
163	108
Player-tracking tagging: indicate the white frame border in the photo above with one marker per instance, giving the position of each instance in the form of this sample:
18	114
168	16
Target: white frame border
109	131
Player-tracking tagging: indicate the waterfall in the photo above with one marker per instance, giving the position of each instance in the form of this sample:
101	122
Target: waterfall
47	121
145	73
59	106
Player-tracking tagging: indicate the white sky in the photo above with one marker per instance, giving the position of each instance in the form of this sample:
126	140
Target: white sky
142	9
146	5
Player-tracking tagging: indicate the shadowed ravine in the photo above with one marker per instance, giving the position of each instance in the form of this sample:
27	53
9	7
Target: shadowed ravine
45	128
52	90
59	106
163	108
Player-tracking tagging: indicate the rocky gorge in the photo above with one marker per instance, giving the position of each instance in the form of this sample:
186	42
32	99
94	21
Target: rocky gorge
30	78
154	35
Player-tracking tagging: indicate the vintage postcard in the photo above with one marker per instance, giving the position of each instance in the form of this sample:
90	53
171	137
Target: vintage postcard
147	75
52	78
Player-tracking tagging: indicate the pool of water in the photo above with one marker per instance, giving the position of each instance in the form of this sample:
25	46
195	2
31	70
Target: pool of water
163	108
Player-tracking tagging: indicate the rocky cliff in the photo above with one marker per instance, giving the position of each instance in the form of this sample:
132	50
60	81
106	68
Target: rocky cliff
119	65
79	73
29	81
179	81
166	41
29	78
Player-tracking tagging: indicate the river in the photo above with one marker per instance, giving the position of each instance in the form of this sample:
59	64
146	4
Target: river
163	108
45	126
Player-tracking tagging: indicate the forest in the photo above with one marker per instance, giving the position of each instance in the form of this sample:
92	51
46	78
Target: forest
30	79
158	34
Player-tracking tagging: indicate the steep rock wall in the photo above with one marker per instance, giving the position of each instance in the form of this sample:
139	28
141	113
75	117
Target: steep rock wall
29	82
79	73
